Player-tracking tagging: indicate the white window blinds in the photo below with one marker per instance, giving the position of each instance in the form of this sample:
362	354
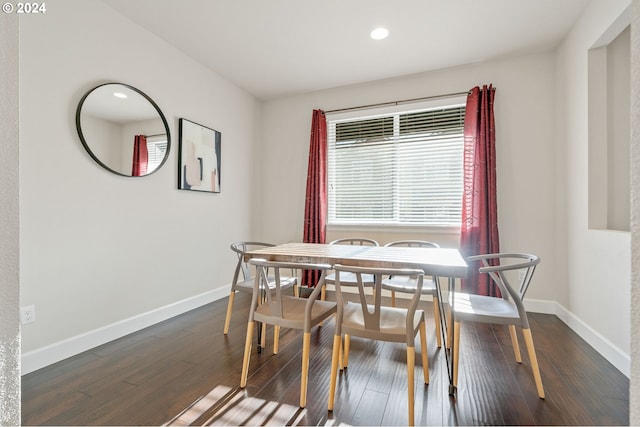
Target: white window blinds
156	149
397	168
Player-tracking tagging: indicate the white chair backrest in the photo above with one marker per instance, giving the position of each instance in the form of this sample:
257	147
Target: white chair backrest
274	299
414	243
371	312
495	266
362	241
240	248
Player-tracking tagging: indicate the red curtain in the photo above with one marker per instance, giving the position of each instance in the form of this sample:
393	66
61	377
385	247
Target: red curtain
479	231
140	156
315	206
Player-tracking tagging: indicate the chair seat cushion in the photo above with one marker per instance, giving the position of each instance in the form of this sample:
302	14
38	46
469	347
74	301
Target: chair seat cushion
293	312
481	308
393	323
407	284
350	279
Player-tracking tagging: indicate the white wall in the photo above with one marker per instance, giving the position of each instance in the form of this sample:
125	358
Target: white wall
525	152
9	225
597	262
96	248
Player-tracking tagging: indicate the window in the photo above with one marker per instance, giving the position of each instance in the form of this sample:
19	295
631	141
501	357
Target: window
156	148
401	167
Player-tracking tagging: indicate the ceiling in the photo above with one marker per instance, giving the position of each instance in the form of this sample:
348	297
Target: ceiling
278	48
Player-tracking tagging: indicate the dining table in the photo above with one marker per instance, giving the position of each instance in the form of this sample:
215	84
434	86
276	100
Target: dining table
444	262
438	262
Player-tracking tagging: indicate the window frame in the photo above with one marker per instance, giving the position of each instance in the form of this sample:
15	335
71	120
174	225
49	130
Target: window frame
379	111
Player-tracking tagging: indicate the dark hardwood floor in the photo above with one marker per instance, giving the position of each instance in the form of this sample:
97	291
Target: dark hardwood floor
186	372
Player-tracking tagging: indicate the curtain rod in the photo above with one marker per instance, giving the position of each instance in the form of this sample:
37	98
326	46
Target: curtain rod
157	134
404	101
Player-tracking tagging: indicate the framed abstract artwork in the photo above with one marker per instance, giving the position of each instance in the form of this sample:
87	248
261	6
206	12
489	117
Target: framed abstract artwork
198	158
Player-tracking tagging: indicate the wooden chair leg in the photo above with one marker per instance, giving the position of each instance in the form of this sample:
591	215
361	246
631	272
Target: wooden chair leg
341	356
263	336
411	364
514	342
335	355
393	298
296	291
227	321
423	352
306	344
276	338
247	355
436	317
528	339
456	351
347	345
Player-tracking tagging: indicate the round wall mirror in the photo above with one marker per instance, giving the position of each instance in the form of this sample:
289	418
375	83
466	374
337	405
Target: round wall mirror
123	130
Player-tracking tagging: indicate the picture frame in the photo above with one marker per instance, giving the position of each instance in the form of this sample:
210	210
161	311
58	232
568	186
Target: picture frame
199	157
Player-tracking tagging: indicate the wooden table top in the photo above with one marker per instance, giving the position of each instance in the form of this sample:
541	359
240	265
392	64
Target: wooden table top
437	261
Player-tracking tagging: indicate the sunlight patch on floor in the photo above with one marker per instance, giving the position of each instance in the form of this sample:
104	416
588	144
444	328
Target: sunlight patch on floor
227	406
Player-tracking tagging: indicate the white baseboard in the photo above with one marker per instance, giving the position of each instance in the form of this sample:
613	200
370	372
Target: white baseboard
617	357
45	356
61	350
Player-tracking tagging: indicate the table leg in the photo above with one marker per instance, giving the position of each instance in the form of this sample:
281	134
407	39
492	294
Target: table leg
259	325
259	334
446	322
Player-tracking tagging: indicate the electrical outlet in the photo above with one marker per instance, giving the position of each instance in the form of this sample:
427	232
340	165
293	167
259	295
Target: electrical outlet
28	314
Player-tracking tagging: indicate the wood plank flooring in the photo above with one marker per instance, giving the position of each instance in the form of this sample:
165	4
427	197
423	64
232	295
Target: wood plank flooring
186	372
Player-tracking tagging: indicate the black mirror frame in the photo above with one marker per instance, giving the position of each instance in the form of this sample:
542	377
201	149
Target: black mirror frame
86	145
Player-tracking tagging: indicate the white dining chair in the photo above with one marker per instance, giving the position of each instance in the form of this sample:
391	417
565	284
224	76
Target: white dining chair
286	311
507	309
404	284
246	282
349	279
378	322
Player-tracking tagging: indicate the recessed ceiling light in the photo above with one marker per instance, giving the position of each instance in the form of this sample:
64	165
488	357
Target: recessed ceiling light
379	33
119	95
